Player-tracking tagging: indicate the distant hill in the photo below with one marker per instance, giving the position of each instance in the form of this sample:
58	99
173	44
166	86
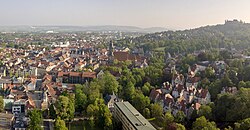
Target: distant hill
44	29
232	35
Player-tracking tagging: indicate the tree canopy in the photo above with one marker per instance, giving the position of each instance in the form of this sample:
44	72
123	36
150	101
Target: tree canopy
35	120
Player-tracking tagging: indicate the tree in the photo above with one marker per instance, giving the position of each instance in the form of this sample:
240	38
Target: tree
1	104
92	110
227	106
209	72
52	111
146	88
242	99
60	124
139	75
233	76
189	59
154	74
64	108
108	83
140	101
168	120
180	127
129	91
175	126
243	125
105	117
146	113
215	88
81	99
226	82
205	111
242	84
225	54
94	92
35	120
156	110
180	117
223	105
201	123
246	73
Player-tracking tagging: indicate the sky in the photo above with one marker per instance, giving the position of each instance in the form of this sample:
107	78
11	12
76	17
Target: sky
174	14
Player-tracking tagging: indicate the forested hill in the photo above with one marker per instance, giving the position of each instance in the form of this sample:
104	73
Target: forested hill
232	34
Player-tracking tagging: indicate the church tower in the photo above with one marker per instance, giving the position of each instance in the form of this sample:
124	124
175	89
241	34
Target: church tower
111	52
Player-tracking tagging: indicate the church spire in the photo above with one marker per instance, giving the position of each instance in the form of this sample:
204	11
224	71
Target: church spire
111	52
111	48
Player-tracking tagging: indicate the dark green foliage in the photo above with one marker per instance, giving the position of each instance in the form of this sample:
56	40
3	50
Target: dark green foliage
156	110
81	98
180	117
229	36
210	73
168	120
65	108
146	88
1	104
214	89
129	91
202	124
105	117
108	83
146	113
99	114
52	111
35	120
60	124
140	102
205	111
243	125
231	107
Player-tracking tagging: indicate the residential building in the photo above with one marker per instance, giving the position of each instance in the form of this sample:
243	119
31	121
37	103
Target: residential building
19	106
130	118
6	121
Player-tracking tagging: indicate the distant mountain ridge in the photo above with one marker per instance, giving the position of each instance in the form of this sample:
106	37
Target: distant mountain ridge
44	29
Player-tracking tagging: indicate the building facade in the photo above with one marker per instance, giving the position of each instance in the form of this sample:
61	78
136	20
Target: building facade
130	118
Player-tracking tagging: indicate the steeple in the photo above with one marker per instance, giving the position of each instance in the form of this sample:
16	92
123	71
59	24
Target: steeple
111	52
111	48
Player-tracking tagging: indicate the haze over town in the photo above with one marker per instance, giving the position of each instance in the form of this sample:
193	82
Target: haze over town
172	14
124	65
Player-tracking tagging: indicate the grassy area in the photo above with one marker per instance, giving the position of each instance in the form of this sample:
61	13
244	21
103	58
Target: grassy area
82	125
157	123
159	49
151	119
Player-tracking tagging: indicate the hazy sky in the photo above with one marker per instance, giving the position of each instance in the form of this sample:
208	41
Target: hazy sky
177	14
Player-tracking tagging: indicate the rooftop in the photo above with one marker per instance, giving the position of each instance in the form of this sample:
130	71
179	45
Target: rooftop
135	118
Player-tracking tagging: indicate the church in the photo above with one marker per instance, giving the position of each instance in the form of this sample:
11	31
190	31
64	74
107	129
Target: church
122	56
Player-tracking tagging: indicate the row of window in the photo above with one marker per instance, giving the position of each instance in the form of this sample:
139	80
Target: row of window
125	123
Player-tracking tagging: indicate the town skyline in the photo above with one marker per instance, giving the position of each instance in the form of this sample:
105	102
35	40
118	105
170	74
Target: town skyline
168	14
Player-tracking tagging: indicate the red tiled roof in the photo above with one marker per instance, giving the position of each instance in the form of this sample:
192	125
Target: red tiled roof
180	88
197	106
195	79
124	56
60	74
89	74
154	93
204	93
75	74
